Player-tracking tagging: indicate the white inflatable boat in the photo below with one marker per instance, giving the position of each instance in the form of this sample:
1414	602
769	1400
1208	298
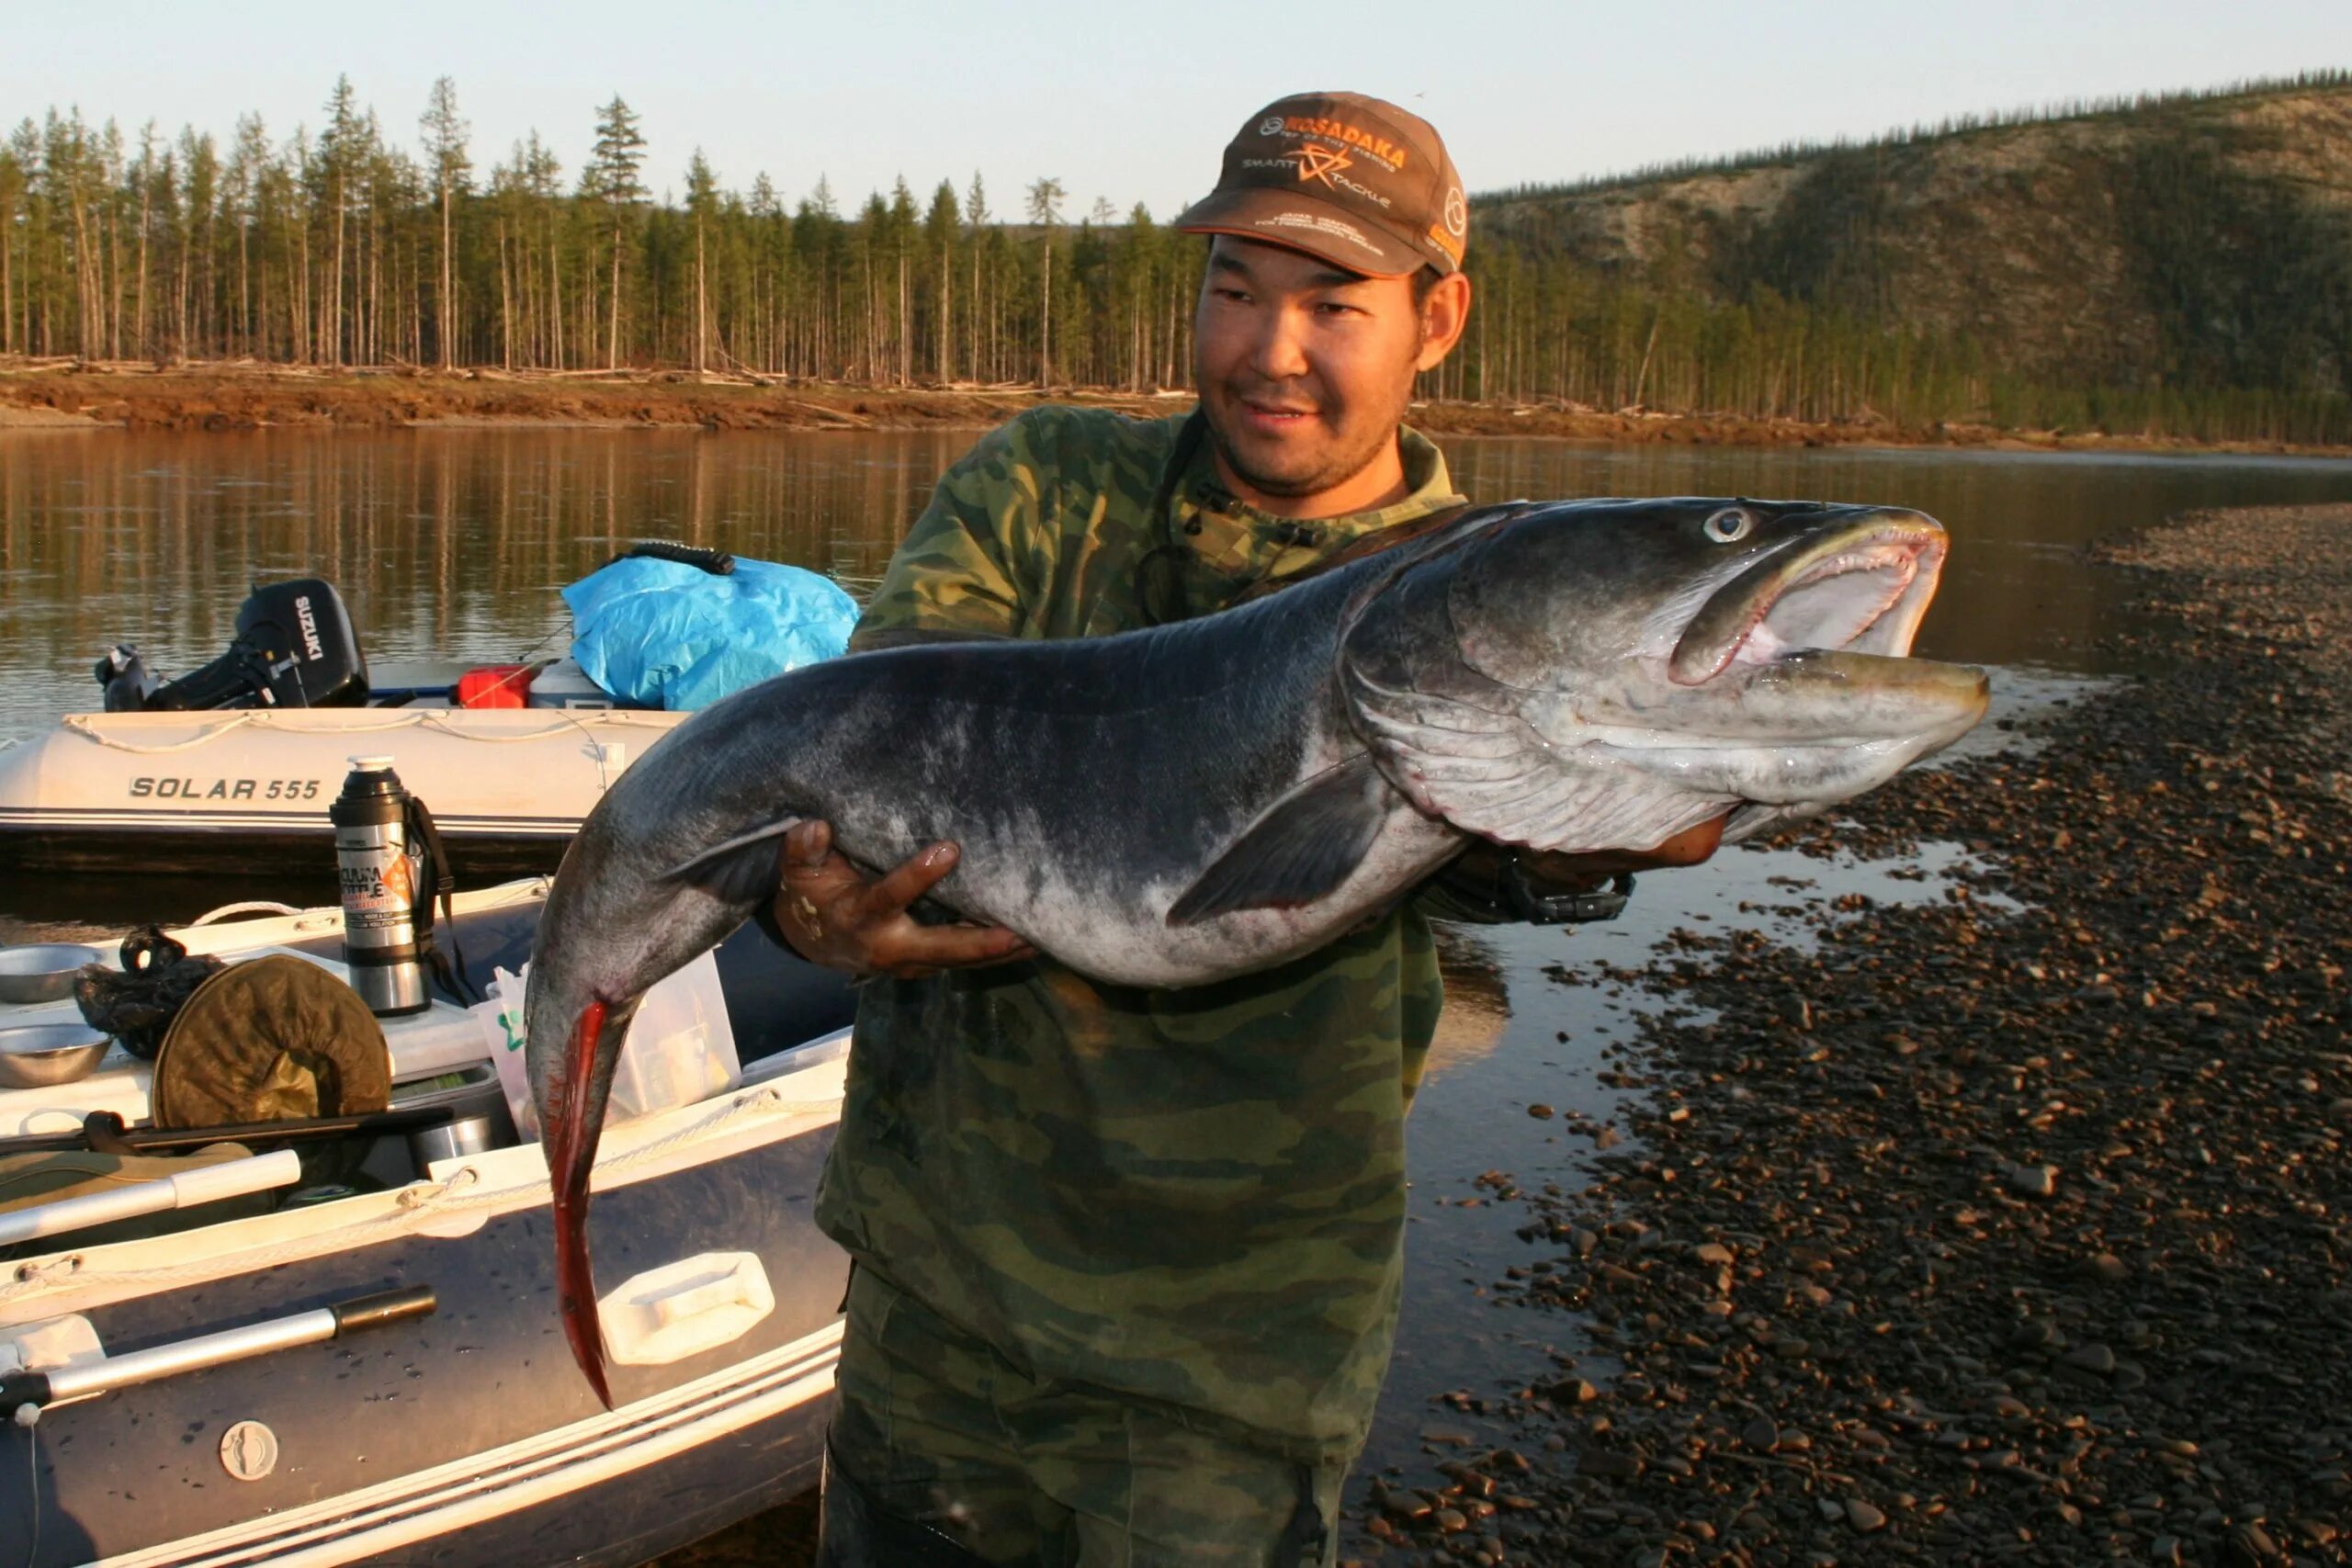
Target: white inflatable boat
169	793
229	763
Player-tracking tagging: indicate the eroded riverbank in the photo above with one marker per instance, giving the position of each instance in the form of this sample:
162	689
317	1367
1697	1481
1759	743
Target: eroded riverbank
2007	1227
42	395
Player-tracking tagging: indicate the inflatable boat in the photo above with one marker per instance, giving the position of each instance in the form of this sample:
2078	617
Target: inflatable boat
233	766
286	1370
133	794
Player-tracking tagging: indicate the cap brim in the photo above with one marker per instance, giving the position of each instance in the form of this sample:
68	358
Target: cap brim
1299	221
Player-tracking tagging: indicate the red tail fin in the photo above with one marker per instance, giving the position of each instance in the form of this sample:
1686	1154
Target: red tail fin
572	1156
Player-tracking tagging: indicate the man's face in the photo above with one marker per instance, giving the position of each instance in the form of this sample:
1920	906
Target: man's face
1304	370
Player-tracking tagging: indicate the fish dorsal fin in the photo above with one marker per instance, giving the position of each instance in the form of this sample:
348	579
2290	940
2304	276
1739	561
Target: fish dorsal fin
1302	848
744	870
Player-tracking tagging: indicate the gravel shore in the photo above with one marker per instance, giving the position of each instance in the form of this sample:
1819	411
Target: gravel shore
2013	1228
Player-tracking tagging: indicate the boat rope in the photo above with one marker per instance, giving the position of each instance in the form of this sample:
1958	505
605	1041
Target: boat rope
415	1206
81	726
249	907
422	718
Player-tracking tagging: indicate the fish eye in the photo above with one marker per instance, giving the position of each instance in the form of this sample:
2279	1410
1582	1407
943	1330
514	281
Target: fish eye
1730	526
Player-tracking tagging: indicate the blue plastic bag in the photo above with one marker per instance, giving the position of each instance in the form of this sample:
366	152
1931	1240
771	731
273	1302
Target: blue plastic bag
663	634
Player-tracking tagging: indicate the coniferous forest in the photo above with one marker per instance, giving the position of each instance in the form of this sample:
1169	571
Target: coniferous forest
346	244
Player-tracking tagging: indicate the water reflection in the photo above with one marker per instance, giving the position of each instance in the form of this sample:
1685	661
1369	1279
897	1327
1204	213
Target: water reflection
441	542
1478	1004
453	542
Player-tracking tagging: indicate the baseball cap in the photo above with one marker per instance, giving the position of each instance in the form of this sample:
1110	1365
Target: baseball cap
1355	181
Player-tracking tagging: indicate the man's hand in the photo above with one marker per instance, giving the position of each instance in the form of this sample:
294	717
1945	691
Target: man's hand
1551	871
834	915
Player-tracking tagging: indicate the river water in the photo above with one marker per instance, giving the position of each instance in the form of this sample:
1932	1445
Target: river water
454	543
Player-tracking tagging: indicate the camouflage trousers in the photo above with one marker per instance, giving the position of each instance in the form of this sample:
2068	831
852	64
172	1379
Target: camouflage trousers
937	1428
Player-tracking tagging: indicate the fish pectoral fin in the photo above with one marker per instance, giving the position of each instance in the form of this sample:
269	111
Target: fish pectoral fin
1303	848
744	870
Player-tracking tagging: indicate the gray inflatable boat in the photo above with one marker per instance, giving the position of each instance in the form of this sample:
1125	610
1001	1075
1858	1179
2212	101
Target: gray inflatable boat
294	1370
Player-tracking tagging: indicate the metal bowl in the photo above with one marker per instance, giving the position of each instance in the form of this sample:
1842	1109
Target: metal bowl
42	971
40	1055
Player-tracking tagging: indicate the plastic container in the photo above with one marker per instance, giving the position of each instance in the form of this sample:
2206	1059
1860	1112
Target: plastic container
680	1049
495	686
564	684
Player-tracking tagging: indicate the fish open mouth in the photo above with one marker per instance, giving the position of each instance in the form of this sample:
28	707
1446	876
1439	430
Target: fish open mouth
1859	590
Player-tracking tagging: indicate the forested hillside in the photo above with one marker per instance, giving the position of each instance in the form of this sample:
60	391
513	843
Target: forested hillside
2180	263
2178	267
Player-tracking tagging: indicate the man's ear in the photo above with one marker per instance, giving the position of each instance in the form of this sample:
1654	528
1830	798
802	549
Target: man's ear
1445	311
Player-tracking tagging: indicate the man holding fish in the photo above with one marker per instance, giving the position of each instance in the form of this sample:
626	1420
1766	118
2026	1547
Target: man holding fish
1128	1258
1121	1159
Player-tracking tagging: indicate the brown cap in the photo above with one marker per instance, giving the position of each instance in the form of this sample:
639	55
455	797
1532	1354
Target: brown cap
1353	180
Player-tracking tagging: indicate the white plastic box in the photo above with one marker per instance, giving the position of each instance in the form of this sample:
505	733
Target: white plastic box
562	685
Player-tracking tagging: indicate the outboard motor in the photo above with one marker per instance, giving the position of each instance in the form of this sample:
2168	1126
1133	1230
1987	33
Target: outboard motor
295	648
127	679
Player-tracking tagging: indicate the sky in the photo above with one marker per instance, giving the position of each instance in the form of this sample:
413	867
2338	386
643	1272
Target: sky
1126	102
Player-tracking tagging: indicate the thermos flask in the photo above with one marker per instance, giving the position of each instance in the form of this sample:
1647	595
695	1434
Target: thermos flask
382	878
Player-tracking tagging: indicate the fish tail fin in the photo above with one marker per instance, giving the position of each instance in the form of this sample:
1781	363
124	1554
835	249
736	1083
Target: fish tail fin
571	1161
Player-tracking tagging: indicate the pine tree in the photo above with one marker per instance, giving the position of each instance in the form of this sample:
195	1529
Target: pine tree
610	178
702	202
975	215
1045	200
15	184
939	226
901	231
445	145
338	246
339	155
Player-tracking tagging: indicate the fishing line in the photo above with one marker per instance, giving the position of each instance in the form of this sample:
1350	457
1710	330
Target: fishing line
553	633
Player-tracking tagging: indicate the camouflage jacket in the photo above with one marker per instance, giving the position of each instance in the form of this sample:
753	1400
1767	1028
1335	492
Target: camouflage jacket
1193	1198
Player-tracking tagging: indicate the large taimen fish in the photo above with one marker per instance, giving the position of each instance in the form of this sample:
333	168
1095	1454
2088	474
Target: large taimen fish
1171	806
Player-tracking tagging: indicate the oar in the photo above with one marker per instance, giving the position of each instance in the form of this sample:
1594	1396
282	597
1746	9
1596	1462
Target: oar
185	1189
104	1129
104	1374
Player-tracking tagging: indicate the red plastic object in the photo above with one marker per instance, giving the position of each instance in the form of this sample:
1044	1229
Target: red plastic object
495	686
